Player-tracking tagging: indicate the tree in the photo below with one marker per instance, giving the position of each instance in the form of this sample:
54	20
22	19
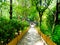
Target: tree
41	6
57	11
10	9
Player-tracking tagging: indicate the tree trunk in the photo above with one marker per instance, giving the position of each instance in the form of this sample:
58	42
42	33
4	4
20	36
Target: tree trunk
56	14
55	17
40	2
40	15
53	26
58	11
10	9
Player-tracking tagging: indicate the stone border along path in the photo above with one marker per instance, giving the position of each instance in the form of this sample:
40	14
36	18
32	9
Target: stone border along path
32	38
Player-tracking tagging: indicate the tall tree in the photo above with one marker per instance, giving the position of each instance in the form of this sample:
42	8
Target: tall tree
10	9
41	7
57	11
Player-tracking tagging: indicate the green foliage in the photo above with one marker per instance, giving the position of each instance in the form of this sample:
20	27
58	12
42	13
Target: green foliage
48	18
46	29
6	30
24	9
56	35
47	24
9	27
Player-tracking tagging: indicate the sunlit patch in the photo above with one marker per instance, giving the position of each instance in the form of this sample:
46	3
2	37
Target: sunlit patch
44	17
39	43
32	30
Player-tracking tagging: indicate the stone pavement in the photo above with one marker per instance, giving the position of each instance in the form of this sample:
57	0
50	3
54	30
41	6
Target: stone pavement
32	38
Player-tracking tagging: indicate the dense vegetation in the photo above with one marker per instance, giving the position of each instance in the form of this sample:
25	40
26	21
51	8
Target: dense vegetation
16	15
10	28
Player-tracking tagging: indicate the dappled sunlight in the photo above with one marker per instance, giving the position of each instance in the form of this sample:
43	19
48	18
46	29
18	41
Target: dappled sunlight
39	43
32	38
32	29
44	18
19	20
53	4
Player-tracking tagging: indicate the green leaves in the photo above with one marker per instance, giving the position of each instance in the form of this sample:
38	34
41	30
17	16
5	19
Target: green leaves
48	21
9	27
56	35
57	30
0	0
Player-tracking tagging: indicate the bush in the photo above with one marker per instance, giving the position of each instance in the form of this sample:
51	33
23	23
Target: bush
56	35
7	31
46	28
8	28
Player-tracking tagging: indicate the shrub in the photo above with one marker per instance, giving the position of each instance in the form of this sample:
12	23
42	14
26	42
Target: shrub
9	27
56	35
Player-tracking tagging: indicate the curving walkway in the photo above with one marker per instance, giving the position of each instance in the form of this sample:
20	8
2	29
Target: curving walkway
32	38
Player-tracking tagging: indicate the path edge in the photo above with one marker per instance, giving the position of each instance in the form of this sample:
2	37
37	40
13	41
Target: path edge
45	37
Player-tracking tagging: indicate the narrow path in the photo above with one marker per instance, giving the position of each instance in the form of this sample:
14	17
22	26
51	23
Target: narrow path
32	38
